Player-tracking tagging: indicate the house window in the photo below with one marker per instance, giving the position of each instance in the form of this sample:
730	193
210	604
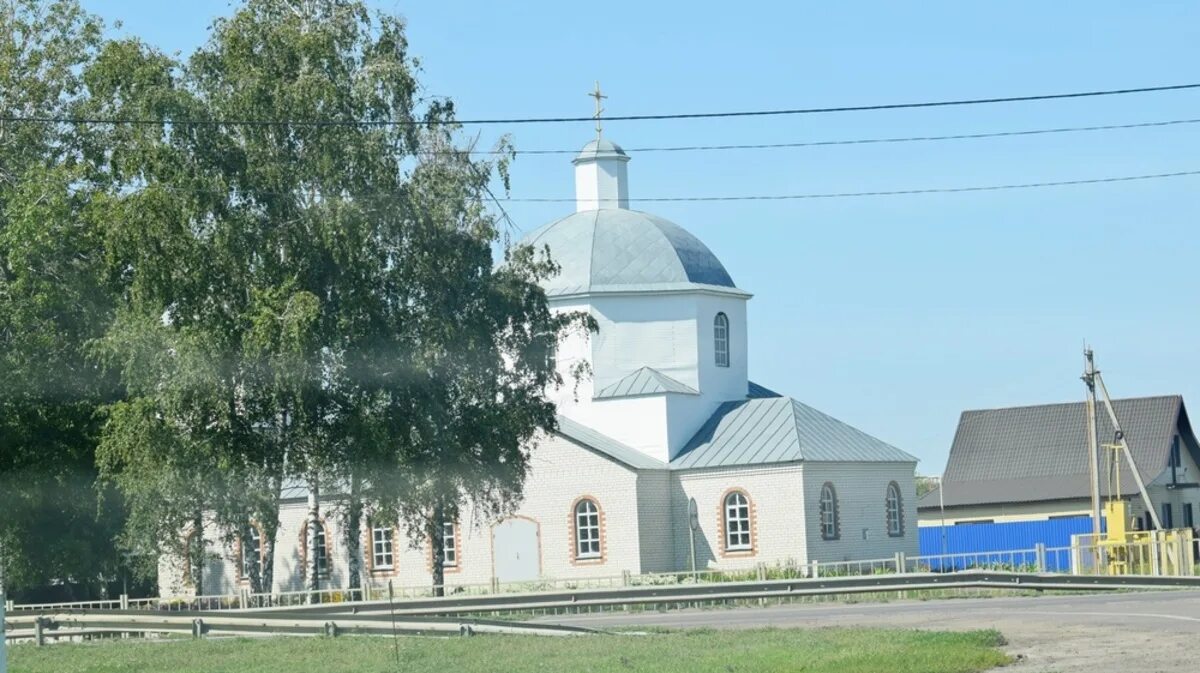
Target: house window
1167	520
381	548
895	514
252	553
322	550
737	522
1188	521
829	513
587	530
721	339
449	550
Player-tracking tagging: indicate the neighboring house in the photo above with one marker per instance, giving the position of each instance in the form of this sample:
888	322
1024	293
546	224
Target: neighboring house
1030	463
667	416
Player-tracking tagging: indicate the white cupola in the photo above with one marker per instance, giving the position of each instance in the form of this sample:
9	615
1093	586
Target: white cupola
601	176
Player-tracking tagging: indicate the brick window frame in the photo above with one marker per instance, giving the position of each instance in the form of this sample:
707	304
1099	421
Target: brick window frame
573	547
893	487
837	515
244	580
328	550
724	549
458	558
368	548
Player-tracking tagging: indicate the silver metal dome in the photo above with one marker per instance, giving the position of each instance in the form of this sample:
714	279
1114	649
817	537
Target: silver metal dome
620	250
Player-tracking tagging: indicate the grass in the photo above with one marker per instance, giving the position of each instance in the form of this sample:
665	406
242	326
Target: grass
696	651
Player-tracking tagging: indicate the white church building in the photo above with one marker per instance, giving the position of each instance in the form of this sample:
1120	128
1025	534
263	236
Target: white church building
667	433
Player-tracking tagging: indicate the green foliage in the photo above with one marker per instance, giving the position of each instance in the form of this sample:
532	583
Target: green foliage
55	295
324	296
770	651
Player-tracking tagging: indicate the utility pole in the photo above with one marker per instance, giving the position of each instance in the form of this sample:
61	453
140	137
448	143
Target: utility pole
1119	438
1089	379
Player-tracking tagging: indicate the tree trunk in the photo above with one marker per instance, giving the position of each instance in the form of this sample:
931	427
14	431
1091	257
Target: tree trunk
312	581
253	564
354	533
195	553
271	535
436	544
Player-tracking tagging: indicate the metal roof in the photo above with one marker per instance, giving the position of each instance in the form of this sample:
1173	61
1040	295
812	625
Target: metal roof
1034	453
600	148
621	250
645	381
605	445
767	430
753	390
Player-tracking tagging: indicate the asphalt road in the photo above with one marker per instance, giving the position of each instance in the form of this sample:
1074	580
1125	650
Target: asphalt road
1144	632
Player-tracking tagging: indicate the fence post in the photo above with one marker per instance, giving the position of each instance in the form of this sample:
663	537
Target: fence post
816	569
900	563
39	627
124	601
762	571
1177	552
1039	554
1155	549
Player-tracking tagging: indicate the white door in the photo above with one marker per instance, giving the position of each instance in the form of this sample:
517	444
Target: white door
516	548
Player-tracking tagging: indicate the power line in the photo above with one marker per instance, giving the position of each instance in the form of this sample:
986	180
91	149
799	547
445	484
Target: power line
898	192
348	199
555	120
868	141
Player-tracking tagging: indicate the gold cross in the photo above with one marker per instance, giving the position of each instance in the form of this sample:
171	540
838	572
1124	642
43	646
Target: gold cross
598	96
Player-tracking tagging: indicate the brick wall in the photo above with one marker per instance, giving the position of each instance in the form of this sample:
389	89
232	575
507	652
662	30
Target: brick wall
776	497
862	510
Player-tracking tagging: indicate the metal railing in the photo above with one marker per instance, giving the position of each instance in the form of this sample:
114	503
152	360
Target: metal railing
1136	559
450	615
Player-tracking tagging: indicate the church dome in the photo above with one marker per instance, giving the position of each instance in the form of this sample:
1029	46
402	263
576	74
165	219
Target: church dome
600	148
622	250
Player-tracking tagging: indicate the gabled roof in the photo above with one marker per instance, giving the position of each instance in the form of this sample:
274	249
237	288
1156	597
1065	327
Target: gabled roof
606	446
767	430
645	381
1026	454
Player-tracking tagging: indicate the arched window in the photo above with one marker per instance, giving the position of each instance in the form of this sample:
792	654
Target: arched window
829	513
587	530
895	513
721	340
737	522
252	552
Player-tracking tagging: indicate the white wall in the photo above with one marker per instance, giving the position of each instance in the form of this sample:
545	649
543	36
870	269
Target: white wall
862	496
1005	512
669	332
777	500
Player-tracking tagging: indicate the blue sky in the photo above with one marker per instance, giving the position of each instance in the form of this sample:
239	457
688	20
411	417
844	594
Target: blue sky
891	313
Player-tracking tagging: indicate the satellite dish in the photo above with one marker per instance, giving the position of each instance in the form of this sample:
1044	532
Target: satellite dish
693	514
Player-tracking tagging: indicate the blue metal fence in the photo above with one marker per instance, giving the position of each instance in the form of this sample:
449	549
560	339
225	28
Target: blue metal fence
988	543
